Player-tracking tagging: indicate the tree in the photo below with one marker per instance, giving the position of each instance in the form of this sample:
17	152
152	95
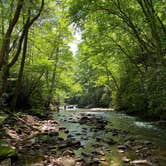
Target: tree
13	38
132	33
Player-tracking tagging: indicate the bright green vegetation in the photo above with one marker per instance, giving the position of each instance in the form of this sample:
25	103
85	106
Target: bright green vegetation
6	152
120	62
122	59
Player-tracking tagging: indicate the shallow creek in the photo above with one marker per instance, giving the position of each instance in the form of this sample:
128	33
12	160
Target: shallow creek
97	139
126	128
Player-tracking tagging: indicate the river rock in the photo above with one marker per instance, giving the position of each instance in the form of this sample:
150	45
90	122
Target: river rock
141	163
127	144
125	159
66	131
121	151
53	133
86	154
62	128
68	153
109	141
84	119
74	144
100	152
147	143
102	159
123	147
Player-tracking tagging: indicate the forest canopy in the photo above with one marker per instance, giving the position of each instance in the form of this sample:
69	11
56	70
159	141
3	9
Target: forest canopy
120	61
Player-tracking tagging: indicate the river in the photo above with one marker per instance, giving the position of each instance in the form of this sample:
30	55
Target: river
97	138
128	128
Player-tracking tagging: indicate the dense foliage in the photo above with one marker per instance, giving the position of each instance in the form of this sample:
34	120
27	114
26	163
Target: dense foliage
123	53
120	63
36	61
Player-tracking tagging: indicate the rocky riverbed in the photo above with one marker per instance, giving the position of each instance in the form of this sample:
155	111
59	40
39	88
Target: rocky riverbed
80	138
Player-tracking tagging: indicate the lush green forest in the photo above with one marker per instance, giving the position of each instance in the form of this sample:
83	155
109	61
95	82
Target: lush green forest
120	61
122	56
108	57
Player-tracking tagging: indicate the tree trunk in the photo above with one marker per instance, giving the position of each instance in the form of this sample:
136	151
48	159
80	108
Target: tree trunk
52	87
20	75
4	51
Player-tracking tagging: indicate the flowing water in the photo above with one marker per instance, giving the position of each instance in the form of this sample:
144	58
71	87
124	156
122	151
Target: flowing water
138	130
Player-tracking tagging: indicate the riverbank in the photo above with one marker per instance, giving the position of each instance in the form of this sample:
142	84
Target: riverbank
27	136
79	138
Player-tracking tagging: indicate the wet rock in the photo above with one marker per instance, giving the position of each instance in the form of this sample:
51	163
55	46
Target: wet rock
53	134
62	128
74	144
78	134
147	143
122	147
96	145
86	154
38	164
127	144
70	136
96	160
102	159
138	147
60	139
84	128
125	159
130	139
121	151
141	163
109	141
66	131
84	119
68	153
100	152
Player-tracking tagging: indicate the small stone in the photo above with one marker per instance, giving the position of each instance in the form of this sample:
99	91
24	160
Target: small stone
100	152
147	143
125	159
102	159
62	128
53	134
68	153
122	147
66	131
121	151
141	163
